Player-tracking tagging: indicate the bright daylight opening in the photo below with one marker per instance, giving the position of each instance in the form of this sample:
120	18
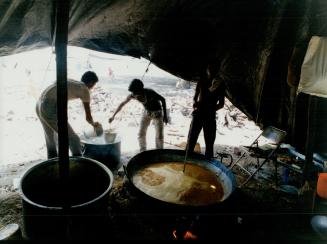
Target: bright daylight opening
24	76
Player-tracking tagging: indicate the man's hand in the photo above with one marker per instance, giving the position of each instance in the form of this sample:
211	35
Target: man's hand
111	119
96	124
98	128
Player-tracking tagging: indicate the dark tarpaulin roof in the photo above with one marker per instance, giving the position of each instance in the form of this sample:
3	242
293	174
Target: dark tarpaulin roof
250	41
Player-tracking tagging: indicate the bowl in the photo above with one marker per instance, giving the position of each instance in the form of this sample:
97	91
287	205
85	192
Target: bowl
110	136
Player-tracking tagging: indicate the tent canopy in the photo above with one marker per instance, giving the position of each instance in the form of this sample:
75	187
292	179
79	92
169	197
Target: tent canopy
250	42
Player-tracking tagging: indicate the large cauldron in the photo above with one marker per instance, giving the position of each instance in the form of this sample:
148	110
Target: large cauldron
43	217
145	158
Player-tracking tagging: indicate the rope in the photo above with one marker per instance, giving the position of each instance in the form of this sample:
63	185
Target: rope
47	69
146	70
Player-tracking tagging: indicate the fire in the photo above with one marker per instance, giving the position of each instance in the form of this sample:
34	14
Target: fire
175	235
213	187
187	236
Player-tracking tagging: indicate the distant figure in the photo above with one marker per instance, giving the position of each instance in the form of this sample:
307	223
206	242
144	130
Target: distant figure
208	98
154	109
111	73
46	109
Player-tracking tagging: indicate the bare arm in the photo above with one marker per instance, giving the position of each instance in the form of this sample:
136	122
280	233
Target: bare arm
196	94
121	105
218	89
88	115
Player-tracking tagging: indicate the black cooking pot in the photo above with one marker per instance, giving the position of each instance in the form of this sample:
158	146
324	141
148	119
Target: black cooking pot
90	183
139	161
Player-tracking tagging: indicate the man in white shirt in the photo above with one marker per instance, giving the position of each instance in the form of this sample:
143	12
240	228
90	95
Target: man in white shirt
46	110
310	125
310	79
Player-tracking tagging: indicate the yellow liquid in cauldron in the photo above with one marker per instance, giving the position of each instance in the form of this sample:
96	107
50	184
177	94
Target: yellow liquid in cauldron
166	181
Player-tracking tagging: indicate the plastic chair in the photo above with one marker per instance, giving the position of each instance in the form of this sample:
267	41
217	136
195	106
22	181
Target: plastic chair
263	147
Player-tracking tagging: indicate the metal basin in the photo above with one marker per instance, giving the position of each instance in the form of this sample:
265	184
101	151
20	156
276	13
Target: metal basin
169	156
104	149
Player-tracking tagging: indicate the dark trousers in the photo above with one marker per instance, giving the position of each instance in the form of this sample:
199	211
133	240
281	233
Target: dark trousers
311	129
310	111
205	120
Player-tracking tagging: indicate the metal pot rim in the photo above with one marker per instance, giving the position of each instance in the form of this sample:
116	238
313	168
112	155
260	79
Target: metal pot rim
53	160
86	142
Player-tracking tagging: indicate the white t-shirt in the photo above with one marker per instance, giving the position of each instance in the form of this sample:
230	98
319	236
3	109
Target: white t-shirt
75	90
313	79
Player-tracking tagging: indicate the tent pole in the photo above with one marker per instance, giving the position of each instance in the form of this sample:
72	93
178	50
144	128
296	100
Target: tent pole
61	39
